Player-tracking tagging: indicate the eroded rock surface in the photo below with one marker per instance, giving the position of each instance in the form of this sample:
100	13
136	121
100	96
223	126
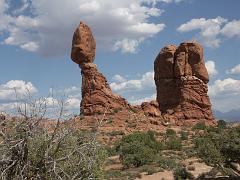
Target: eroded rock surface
83	45
181	79
151	108
97	97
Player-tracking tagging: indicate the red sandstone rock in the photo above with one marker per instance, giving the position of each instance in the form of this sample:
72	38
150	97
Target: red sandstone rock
83	45
97	97
181	79
189	61
164	64
151	108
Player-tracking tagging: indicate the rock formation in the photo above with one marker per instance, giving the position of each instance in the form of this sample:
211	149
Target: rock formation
151	108
97	97
181	79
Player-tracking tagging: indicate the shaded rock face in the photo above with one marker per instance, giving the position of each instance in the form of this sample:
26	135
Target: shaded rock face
181	79
97	97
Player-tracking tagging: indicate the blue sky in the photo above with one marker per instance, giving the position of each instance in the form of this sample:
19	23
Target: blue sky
36	39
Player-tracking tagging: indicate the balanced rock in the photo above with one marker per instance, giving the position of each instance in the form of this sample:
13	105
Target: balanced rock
181	79
83	45
97	96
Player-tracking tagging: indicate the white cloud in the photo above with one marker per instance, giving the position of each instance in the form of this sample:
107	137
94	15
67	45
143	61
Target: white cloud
210	65
2	6
144	99
126	46
16	89
73	104
44	29
211	31
146	82
225	94
225	87
6	107
30	46
234	70
118	78
231	29
165	1
24	5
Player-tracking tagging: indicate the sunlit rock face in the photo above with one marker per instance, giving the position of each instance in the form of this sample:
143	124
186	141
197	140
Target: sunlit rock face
181	79
97	96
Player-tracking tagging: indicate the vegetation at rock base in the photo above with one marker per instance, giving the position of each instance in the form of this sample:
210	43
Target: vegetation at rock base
33	148
219	145
138	149
199	126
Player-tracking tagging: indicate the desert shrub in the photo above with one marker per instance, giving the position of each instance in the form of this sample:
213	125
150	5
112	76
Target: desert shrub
111	151
116	133
173	143
181	173
167	163
222	123
199	126
62	153
121	175
230	147
207	150
170	132
32	147
217	146
149	169
138	149
184	135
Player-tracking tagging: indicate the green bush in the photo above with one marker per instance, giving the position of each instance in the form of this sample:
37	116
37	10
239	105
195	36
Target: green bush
170	132
199	126
222	123
166	163
184	135
230	147
219	145
138	149
207	150
181	173
111	151
173	143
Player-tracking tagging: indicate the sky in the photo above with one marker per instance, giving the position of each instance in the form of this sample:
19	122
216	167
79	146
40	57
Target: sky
36	35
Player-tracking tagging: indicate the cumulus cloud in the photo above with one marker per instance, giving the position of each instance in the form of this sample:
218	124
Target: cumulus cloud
6	107
126	46
14	95
145	82
73	104
46	27
210	65
231	29
137	101
135	90
165	1
16	89
225	87
225	94
118	78
211	30
234	70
